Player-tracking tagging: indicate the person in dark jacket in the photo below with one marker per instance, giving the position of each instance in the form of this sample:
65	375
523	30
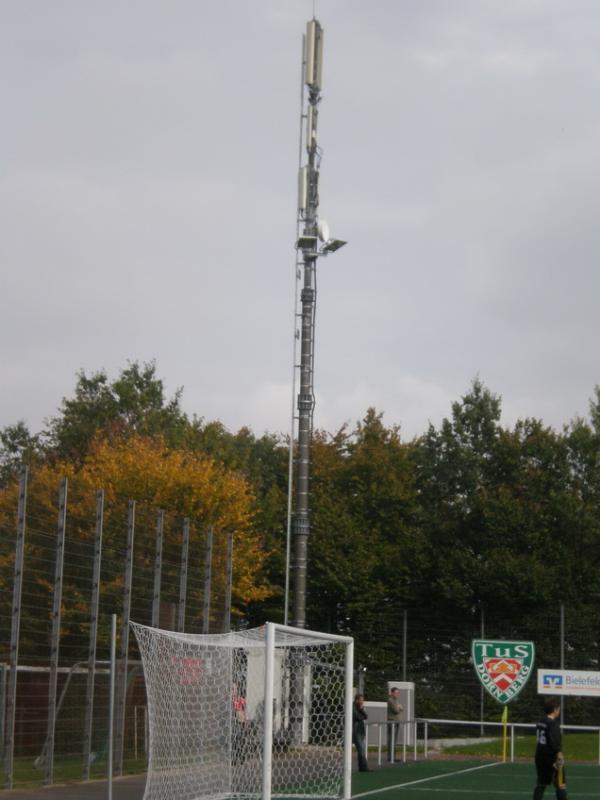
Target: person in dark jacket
549	759
359	735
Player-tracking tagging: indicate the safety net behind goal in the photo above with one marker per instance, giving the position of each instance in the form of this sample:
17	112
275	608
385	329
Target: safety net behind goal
211	735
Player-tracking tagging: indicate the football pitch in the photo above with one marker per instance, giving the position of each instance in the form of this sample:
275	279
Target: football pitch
467	780
421	780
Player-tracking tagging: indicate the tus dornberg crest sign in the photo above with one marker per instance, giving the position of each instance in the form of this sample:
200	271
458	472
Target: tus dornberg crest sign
503	667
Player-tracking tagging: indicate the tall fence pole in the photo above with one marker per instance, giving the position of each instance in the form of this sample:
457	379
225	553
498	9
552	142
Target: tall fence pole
481	689
562	658
160	526
11	702
55	637
3	681
111	701
94	605
183	575
228	584
207	580
404	642
122	669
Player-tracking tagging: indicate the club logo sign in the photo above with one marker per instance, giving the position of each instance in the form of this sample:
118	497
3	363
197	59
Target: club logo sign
503	667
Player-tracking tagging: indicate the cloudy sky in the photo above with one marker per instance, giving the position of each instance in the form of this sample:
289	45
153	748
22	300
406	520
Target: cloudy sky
149	152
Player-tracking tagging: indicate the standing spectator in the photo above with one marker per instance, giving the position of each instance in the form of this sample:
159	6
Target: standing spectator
549	760
359	737
394	717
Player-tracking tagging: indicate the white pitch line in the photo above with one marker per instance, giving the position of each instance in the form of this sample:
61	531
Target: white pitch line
476	791
490	792
424	780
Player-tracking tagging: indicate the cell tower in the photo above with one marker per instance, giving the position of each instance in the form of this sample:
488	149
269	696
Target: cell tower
312	242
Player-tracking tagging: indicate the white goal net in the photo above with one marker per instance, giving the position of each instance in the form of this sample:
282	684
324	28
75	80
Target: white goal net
258	713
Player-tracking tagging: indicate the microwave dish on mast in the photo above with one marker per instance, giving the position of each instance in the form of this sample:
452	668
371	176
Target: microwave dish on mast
323	231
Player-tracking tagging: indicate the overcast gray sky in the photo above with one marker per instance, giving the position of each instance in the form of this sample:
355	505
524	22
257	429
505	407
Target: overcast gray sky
149	152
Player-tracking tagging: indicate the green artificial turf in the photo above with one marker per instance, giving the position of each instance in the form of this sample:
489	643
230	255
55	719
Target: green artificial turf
66	769
467	780
576	747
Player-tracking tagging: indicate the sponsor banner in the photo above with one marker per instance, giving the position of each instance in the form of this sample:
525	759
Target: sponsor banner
503	667
568	681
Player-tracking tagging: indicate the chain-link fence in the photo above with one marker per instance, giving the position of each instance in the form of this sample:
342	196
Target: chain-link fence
431	647
69	559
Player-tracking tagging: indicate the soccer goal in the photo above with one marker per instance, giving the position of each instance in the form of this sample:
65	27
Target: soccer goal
260	713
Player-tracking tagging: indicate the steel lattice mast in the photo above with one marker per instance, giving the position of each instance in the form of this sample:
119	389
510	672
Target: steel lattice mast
313	242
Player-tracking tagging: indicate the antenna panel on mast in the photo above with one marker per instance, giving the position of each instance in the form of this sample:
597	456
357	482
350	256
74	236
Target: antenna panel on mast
302	188
313	56
311	127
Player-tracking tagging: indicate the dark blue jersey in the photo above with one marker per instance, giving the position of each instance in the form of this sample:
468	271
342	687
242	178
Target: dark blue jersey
548	740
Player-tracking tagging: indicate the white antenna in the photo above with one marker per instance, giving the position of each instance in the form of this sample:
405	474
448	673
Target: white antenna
313	58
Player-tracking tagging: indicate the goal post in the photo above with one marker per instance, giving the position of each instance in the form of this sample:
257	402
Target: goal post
262	713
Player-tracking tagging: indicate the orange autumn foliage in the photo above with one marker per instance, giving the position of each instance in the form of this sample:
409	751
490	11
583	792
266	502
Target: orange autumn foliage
190	485
181	483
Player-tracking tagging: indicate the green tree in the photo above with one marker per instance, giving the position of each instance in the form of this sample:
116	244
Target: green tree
133	403
365	551
503	515
17	446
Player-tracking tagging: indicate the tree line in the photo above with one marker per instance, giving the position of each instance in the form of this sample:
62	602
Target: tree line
472	523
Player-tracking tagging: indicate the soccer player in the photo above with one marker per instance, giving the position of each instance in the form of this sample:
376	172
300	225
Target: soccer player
549	760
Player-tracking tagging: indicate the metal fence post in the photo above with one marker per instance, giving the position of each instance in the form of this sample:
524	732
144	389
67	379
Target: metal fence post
562	658
94	604
228	584
207	580
11	700
404	642
122	669
55	638
415	734
3	680
111	702
183	575
160	524
512	743
481	689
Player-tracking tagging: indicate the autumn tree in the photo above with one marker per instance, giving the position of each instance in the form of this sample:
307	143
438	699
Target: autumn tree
155	476
263	461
